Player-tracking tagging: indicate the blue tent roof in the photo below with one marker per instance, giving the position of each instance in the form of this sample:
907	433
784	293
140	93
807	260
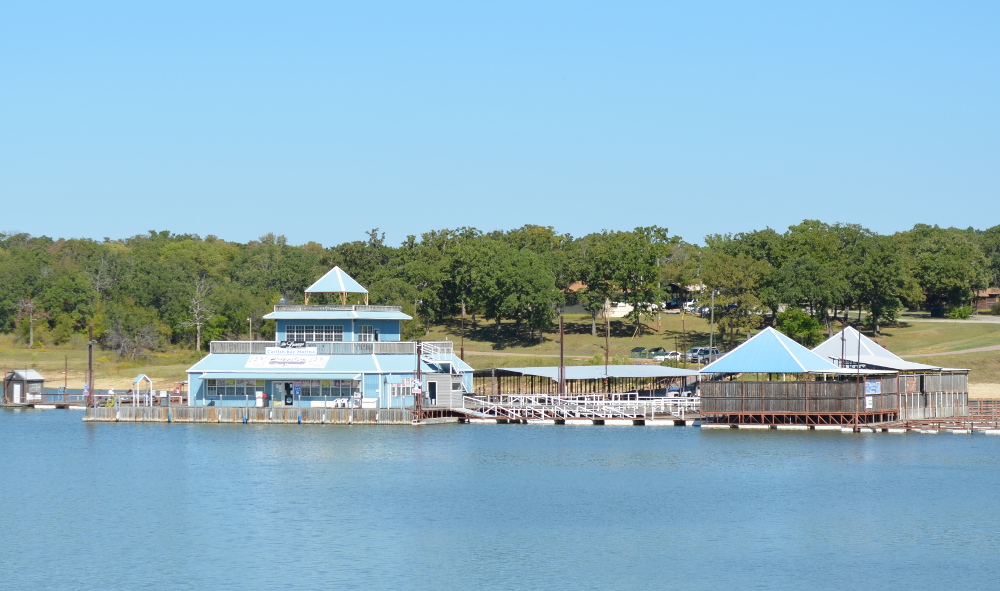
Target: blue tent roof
771	352
336	281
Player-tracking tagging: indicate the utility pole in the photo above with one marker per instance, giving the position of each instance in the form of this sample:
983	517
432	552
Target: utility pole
607	348
418	390
562	359
711	330
90	366
461	354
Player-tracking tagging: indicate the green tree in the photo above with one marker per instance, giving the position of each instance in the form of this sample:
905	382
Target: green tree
799	326
627	265
948	263
737	280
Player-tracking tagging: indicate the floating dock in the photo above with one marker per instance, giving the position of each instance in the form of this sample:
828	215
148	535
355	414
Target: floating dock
278	415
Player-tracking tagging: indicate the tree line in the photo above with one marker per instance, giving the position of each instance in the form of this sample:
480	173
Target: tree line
159	289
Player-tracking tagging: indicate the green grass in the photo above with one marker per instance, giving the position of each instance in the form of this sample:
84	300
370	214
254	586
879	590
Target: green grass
489	346
164	368
984	367
938	337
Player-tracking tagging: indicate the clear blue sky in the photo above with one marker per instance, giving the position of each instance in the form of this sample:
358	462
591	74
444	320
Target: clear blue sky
320	120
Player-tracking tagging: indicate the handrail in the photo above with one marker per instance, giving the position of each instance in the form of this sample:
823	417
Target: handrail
335	308
438	350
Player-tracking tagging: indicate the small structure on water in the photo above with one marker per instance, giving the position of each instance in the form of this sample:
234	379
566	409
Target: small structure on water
613	380
23	385
925	391
332	356
772	380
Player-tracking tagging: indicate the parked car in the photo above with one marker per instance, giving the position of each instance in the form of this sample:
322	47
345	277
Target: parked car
702	354
662	356
690	306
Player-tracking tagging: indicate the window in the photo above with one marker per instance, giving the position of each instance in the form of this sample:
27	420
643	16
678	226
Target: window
314	334
366	333
400	390
245	388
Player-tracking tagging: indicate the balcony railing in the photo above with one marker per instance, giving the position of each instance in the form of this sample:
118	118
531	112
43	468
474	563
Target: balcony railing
430	349
335	308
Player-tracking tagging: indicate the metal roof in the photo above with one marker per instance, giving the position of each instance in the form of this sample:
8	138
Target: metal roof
336	281
336	315
855	347
29	375
216	363
278	375
771	352
595	372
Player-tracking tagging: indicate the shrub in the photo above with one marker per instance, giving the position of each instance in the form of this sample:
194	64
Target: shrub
995	309
960	312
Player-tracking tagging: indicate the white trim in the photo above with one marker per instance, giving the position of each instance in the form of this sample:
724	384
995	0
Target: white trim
787	350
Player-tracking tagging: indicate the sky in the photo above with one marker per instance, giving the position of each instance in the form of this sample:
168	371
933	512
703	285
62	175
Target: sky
322	120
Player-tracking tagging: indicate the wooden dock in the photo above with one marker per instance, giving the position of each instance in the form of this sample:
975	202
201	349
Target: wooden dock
271	415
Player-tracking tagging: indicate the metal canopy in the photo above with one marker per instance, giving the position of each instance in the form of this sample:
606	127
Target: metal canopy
336	281
855	348
592	372
771	352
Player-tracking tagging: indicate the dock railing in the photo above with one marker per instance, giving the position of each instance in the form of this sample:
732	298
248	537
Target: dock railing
431	349
590	406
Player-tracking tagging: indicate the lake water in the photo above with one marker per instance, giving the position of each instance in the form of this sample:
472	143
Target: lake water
132	506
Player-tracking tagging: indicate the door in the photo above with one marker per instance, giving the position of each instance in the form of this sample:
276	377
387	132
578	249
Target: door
281	393
17	393
432	392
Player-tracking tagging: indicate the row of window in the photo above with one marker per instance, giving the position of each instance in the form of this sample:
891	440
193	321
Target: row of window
246	388
314	334
331	388
249	388
323	334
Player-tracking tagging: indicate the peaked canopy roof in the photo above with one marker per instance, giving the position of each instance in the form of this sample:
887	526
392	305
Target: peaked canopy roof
771	352
336	281
855	348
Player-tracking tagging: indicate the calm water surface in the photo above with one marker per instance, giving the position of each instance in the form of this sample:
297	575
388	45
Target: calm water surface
125	506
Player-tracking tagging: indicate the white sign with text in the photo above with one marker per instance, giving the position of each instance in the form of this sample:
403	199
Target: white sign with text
287	361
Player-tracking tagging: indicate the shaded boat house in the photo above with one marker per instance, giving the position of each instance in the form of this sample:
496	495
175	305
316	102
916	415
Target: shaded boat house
772	380
331	356
925	391
618	381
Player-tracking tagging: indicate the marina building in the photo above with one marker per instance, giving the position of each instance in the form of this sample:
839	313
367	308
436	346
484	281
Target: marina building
331	356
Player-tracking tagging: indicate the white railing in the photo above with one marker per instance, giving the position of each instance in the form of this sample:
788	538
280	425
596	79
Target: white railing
335	308
591	406
430	349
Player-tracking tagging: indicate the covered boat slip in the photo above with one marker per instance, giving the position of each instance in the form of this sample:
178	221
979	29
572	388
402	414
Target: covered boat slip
841	401
772	380
629	394
925	391
614	381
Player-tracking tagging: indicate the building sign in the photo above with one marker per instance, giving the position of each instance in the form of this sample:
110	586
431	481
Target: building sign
873	387
869	402
290	351
287	361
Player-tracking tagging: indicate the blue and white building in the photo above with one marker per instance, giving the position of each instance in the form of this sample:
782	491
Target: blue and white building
331	355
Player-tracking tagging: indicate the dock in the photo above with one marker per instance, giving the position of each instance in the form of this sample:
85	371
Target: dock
278	415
